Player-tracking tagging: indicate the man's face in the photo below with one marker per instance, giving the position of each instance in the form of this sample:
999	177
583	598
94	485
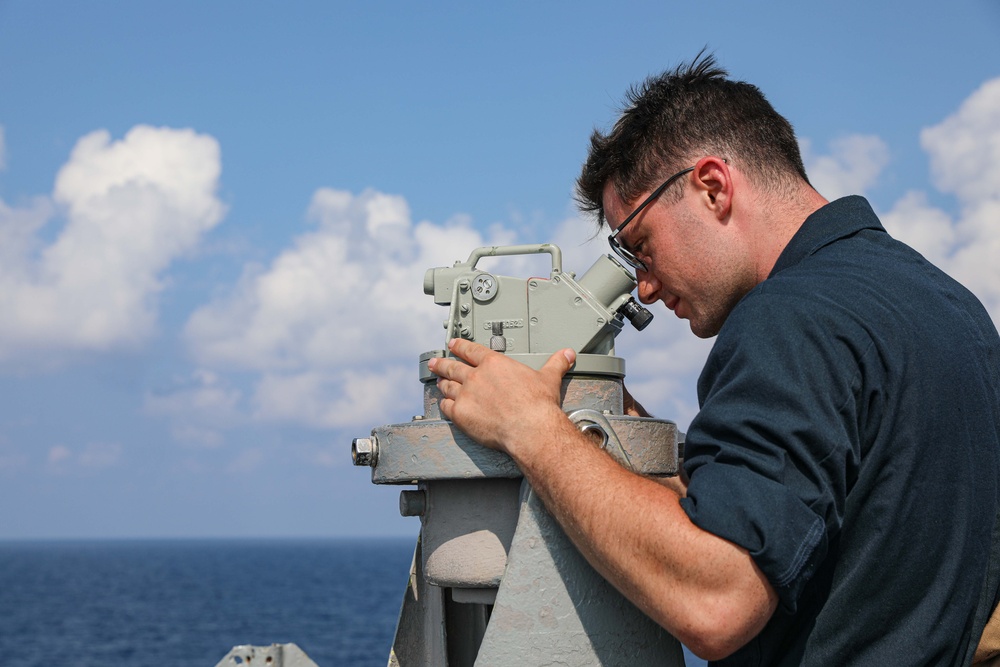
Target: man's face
697	264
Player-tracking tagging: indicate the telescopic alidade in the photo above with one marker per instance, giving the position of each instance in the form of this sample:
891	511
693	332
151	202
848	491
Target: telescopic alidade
494	580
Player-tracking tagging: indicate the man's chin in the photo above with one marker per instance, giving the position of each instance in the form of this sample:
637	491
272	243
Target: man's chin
704	334
700	327
703	329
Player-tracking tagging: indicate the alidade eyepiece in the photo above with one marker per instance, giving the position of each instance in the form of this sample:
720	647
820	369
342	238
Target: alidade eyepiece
636	314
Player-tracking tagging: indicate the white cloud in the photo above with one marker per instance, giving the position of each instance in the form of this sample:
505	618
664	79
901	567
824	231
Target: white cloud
19	242
342	296
964	150
965	146
331	399
132	207
852	167
336	322
929	230
663	363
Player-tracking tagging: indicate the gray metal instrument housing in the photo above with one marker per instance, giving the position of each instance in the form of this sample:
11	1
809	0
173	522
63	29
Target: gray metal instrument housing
495	580
534	315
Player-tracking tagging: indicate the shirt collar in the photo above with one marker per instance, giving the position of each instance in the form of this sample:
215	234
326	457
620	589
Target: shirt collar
834	221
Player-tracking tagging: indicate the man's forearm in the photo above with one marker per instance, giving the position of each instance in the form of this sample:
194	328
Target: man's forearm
704	590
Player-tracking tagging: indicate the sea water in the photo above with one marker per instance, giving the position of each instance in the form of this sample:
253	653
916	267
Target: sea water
188	602
156	603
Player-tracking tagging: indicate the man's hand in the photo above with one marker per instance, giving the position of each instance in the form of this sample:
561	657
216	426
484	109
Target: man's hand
632	407
497	401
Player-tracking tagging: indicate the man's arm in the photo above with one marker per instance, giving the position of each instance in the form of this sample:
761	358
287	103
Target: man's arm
706	591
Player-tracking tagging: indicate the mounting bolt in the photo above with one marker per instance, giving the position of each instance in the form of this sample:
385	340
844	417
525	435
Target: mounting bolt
364	451
412	503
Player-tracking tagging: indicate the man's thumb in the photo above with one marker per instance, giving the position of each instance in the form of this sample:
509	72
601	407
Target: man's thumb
560	362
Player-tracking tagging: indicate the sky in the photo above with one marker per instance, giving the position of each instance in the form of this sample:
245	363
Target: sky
215	218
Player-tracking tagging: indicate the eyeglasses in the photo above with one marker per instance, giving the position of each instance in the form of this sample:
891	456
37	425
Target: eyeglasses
621	250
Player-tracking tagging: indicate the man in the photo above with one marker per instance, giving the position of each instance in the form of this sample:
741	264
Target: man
841	487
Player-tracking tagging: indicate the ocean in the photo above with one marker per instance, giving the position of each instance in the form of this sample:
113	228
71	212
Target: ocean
154	603
150	603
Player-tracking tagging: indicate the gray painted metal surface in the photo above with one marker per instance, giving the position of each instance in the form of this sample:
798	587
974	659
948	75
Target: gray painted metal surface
552	608
426	450
494	579
420	632
275	655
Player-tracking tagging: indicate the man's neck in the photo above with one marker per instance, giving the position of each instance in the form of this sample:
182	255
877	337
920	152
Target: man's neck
779	220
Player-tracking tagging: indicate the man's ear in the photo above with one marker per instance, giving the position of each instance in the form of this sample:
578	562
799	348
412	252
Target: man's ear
714	181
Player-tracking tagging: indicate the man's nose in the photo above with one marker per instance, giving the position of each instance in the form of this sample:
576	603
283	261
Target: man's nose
648	288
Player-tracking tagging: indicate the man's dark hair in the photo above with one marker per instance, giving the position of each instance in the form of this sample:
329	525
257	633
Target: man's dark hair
680	116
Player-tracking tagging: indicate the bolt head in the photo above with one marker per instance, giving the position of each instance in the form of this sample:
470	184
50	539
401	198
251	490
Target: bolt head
364	452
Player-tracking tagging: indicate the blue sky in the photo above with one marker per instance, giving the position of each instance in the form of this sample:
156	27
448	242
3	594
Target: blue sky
214	218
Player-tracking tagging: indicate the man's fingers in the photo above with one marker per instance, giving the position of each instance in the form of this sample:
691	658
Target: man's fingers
449	369
474	353
448	388
559	363
471	353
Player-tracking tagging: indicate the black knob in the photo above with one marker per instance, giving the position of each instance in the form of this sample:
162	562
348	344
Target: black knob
636	314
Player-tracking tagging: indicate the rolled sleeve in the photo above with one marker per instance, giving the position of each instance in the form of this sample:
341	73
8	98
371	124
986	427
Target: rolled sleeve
769	454
782	535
